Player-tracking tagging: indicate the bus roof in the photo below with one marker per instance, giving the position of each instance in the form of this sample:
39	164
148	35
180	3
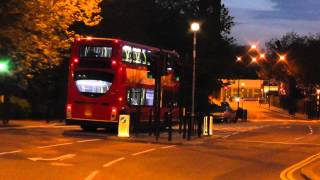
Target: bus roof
173	52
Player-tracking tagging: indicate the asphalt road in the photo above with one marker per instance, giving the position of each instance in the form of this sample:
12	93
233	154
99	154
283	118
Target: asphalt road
251	150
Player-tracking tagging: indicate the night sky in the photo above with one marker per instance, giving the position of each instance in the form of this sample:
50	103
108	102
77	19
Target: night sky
261	20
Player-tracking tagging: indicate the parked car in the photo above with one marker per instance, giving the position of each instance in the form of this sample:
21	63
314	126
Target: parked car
223	113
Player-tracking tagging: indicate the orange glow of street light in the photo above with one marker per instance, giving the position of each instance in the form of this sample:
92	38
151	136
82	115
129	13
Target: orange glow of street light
253	47
254	60
282	57
239	58
262	56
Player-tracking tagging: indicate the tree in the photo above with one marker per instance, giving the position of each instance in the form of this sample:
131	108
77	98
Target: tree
36	33
302	60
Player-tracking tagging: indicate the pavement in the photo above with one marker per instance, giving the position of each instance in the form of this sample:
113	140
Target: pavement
143	137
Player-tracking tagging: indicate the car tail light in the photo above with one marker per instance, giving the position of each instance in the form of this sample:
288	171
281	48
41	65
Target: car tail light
113	114
69	111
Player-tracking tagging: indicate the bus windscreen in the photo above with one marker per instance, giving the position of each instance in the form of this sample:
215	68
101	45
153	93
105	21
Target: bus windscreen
93	83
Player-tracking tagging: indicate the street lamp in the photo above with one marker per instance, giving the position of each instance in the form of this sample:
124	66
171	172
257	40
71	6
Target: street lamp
282	57
195	27
253	47
254	60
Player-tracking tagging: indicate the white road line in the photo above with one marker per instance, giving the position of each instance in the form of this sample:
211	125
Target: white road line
61	164
311	130
54	145
142	152
10	152
310	133
92	175
113	162
167	147
283	143
89	140
298	138
226	136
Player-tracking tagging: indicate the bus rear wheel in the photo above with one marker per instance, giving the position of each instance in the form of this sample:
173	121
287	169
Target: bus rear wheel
88	128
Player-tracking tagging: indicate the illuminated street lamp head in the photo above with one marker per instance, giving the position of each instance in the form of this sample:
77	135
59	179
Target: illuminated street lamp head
195	27
262	56
239	58
282	58
254	60
253	47
318	91
243	84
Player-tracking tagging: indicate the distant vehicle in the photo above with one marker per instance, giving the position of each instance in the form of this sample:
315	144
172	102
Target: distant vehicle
223	113
110	76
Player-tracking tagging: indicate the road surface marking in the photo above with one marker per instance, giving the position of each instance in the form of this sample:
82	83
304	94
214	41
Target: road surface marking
167	147
61	164
311	130
113	162
92	175
59	158
226	136
142	152
55	145
283	143
287	174
310	133
10	152
89	140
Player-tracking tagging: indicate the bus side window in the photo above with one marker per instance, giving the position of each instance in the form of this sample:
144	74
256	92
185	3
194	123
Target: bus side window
136	96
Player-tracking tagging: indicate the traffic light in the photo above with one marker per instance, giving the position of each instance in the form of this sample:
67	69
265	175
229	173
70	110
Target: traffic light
4	66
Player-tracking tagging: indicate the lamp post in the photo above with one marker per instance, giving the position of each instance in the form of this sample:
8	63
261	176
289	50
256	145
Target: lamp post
195	27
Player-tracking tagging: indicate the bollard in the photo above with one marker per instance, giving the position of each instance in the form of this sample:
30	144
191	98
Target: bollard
189	127
184	127
169	116
150	122
199	125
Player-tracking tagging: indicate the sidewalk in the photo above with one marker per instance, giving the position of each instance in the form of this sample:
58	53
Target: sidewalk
142	137
30	123
283	112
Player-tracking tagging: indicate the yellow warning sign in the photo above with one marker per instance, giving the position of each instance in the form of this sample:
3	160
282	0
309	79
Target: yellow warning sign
207	128
124	126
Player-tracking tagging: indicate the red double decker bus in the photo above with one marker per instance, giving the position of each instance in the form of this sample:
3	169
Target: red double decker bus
110	76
